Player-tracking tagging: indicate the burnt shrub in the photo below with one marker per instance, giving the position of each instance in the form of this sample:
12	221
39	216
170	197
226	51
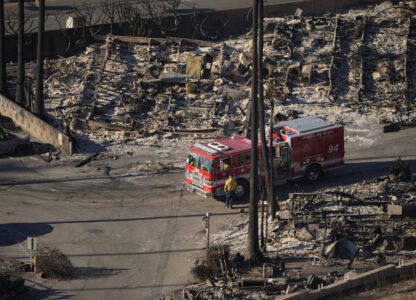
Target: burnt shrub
53	263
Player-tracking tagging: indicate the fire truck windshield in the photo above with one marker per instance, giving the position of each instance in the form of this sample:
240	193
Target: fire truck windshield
200	162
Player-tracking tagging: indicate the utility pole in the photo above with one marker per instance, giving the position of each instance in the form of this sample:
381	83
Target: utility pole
3	75
38	105
253	253
262	125
20	93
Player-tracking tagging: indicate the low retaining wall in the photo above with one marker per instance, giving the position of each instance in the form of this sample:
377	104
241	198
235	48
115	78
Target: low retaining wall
34	126
376	277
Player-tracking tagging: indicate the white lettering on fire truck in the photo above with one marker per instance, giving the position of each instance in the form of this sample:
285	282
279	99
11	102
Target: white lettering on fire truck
332	148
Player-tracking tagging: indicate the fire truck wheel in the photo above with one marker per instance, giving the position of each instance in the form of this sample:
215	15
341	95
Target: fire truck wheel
243	188
313	173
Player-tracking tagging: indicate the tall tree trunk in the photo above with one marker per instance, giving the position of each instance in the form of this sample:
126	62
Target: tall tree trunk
3	75
253	253
262	125
271	188
38	105
261	117
20	93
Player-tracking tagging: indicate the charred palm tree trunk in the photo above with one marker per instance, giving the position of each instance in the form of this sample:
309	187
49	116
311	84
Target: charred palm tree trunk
20	93
3	78
273	204
253	253
38	105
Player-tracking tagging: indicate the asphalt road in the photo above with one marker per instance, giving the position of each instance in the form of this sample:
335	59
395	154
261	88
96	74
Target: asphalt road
136	237
129	238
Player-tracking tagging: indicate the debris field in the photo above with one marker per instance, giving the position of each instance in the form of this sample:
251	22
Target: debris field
355	67
318	239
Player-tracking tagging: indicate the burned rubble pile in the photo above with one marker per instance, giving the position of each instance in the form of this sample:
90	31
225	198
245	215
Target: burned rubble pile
12	287
11	138
135	90
358	220
318	239
351	66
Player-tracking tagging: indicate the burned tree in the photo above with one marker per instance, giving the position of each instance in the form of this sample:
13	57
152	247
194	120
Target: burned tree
38	105
270	190
3	79
159	11
87	15
131	15
68	33
253	253
109	10
147	15
20	94
172	8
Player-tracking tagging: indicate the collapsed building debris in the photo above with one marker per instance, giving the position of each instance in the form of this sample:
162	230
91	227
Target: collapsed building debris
13	140
11	284
318	238
359	217
400	171
12	287
358	64
121	92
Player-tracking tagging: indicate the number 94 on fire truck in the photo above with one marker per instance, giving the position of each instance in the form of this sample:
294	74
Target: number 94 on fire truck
304	147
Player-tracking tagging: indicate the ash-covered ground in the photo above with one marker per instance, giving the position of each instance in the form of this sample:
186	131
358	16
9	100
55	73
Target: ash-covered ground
354	67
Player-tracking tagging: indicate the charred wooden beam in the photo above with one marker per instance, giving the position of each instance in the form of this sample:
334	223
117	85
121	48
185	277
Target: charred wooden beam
98	80
192	130
106	125
408	210
145	40
87	160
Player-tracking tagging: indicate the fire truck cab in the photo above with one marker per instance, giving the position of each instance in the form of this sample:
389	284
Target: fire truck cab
208	166
304	147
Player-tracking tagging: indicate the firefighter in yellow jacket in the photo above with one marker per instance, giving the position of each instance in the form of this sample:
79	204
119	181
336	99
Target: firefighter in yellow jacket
229	189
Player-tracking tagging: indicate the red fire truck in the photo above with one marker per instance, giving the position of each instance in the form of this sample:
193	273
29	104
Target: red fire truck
304	147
